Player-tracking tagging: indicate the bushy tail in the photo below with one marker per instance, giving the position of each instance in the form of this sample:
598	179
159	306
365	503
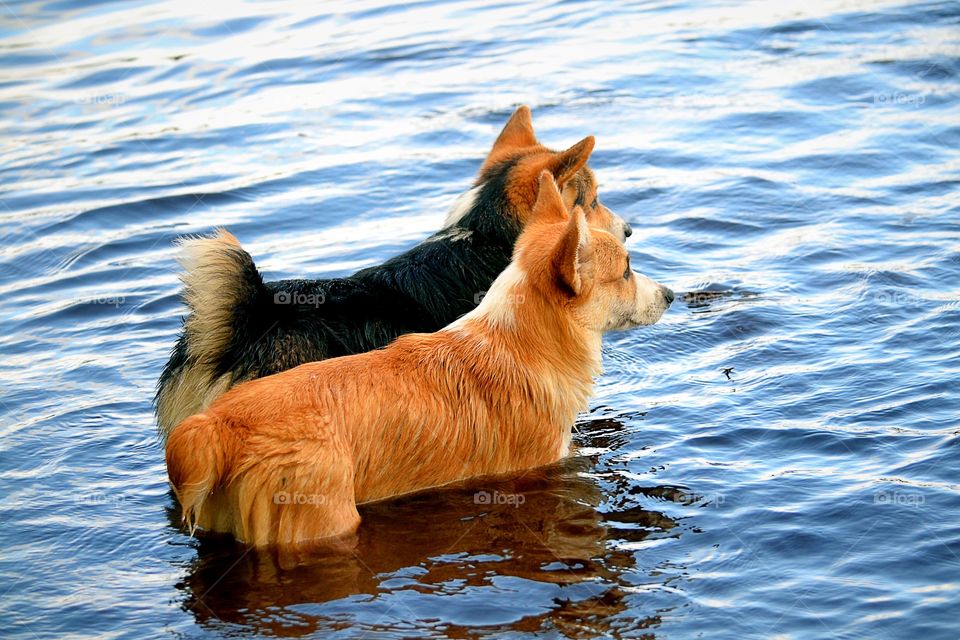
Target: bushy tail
201	452
219	277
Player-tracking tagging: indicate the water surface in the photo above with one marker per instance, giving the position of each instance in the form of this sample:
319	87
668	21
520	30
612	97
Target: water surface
776	458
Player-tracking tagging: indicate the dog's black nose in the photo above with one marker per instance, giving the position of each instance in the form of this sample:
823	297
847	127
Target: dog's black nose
627	230
667	294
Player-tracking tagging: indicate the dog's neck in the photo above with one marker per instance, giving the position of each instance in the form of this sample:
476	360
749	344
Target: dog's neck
534	345
486	209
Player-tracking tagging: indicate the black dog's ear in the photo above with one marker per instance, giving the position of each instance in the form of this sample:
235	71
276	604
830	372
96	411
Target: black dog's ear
518	132
564	165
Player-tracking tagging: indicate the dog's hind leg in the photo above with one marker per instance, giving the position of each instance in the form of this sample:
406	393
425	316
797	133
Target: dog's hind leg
302	492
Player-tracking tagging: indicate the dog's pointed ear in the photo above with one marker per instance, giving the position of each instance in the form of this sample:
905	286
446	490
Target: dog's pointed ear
518	132
564	165
549	207
573	252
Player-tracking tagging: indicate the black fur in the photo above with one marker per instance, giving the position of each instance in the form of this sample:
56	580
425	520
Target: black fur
422	290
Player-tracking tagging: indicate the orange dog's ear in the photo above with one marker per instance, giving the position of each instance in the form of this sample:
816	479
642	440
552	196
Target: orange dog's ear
573	252
518	132
549	207
564	165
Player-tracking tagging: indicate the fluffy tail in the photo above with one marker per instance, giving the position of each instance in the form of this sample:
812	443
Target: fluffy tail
200	454
219	278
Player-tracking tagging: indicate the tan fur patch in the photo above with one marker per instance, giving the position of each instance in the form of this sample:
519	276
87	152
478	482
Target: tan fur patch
211	286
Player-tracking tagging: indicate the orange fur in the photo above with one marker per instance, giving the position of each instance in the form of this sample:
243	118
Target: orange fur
285	459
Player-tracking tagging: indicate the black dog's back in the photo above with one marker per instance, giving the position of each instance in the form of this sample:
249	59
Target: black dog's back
423	290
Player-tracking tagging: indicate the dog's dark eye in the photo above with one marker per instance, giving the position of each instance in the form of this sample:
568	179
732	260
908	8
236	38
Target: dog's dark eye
626	274
595	203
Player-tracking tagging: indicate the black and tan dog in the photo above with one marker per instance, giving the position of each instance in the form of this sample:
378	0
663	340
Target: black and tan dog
240	327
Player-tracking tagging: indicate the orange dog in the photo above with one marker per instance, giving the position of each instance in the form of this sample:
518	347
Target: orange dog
285	459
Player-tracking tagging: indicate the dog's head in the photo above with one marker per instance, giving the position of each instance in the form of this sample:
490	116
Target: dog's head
509	179
585	269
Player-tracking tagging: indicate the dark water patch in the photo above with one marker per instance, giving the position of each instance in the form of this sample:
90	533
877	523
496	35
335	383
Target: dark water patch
130	213
940	137
861	164
232	27
106	76
25	59
788	124
386	10
711	225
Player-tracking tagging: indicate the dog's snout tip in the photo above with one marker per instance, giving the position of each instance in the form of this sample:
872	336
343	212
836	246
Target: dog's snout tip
627	230
668	295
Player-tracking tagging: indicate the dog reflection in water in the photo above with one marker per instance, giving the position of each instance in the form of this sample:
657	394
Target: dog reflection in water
286	459
445	542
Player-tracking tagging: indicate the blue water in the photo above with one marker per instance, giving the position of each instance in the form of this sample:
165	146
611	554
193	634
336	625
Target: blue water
777	458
